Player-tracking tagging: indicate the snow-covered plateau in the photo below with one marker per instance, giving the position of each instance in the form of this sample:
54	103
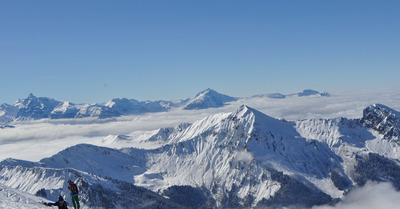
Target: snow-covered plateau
231	156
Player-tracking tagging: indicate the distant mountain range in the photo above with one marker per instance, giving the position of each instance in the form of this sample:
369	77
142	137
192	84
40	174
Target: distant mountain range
242	159
33	108
307	92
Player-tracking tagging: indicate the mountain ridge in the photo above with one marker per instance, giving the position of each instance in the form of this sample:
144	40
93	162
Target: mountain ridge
34	108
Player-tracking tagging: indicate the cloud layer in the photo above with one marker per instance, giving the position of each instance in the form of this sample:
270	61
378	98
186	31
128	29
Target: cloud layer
371	196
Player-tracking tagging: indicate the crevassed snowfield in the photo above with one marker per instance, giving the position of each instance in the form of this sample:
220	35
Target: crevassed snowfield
34	140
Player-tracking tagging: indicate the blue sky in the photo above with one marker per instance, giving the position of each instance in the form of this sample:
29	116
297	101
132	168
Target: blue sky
94	51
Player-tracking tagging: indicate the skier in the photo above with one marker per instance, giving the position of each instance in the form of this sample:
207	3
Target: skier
74	194
60	203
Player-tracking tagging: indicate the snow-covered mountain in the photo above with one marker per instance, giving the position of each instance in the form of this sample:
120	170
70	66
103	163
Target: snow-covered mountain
33	108
65	110
309	92
208	99
131	106
382	119
232	160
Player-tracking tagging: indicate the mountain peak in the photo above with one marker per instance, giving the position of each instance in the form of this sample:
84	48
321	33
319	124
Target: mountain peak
245	110
31	96
26	101
207	92
35	107
382	119
262	120
208	98
376	111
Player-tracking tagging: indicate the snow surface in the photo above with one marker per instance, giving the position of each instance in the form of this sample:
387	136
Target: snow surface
16	199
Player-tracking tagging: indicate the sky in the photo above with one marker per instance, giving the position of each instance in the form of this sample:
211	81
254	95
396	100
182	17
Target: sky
93	51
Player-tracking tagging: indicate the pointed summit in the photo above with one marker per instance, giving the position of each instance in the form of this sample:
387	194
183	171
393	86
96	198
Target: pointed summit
208	98
31	96
21	103
382	119
35	107
244	111
261	120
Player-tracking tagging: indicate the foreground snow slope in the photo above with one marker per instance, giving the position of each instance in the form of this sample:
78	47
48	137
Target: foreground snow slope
95	191
16	199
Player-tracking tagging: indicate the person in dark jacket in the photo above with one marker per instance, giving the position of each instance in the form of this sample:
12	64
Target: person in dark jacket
74	194
60	203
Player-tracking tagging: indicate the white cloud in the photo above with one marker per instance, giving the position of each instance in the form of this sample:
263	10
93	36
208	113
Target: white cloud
243	156
371	196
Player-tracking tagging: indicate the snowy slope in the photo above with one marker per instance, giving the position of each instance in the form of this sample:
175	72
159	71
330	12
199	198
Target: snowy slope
7	113
16	199
95	192
102	161
162	135
96	110
64	110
